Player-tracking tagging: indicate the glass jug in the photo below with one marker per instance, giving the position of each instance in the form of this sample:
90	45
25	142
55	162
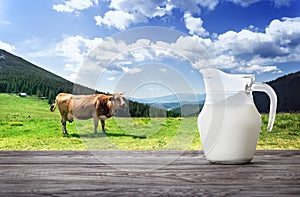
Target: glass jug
229	122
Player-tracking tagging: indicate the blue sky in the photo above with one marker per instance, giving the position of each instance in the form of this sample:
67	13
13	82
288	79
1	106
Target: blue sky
108	43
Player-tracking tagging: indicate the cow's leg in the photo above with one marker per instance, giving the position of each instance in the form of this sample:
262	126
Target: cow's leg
64	129
103	125
96	120
63	120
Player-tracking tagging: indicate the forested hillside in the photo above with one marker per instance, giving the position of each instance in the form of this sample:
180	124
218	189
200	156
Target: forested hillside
18	75
287	89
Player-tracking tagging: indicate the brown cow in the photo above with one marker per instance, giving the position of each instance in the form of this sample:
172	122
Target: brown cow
83	107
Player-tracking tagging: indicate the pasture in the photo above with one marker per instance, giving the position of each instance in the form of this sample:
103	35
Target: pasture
27	124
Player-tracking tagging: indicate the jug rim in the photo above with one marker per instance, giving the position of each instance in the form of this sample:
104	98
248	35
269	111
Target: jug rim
249	90
216	80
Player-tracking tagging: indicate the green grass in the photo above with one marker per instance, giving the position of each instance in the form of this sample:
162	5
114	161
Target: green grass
27	124
285	133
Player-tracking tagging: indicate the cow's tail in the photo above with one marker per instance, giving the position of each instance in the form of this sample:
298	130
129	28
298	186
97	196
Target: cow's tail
52	107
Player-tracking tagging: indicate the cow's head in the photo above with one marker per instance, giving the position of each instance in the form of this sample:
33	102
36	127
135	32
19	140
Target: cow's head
117	101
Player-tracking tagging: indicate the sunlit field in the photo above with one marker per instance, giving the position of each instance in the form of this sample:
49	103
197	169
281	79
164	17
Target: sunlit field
27	124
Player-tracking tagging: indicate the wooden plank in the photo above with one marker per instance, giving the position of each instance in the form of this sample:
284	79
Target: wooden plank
140	173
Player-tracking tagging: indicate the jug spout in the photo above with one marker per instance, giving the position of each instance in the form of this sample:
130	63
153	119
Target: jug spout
217	81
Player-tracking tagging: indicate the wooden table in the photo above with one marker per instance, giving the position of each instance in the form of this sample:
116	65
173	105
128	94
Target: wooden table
145	173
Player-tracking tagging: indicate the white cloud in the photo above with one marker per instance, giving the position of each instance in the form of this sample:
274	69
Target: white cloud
36	48
194	25
149	8
72	77
107	51
240	43
246	3
7	47
116	18
5	22
163	70
71	67
279	3
76	48
279	43
249	68
74	5
194	6
111	78
131	70
123	13
250	51
193	48
210	4
117	57
285	31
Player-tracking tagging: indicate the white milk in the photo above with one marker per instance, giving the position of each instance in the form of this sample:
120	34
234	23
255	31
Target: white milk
229	129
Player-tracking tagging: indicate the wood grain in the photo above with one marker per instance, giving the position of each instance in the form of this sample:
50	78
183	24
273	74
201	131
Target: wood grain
144	173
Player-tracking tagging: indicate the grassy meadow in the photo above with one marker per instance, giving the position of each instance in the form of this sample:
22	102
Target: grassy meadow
27	124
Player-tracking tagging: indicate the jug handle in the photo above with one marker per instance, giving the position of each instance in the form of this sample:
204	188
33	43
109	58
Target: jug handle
262	87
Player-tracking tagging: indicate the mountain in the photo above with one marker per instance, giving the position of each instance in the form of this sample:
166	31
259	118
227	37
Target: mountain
18	75
287	89
173	101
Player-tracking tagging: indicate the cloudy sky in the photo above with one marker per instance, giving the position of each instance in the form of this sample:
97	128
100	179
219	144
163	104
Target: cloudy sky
115	45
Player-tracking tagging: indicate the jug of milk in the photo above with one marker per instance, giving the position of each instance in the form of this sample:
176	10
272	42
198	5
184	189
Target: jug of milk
229	122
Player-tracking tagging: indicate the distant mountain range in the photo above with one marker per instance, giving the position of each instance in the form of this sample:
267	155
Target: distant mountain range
18	75
286	87
173	101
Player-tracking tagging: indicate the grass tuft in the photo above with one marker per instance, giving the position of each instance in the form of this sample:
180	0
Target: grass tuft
16	123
